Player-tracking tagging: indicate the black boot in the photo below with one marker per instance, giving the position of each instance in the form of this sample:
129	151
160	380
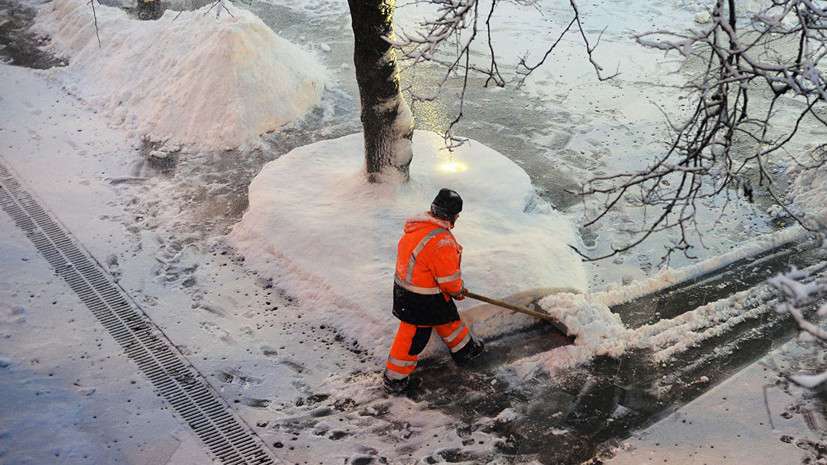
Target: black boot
396	386
471	351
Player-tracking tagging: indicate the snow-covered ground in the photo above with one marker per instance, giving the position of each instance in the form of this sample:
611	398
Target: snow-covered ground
308	333
748	418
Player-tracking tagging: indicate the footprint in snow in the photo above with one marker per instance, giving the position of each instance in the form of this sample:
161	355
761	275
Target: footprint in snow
268	351
257	403
236	377
216	331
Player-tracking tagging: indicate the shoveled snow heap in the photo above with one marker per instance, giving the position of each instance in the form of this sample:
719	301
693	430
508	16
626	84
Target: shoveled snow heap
601	332
202	81
325	235
598	331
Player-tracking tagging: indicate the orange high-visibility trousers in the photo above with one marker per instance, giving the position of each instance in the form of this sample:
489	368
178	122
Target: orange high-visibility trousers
411	340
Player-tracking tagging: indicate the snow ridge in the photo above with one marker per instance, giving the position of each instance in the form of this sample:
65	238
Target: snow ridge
667	276
600	332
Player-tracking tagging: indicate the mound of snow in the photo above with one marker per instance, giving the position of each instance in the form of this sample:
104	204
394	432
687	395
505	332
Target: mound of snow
190	78
326	236
598	331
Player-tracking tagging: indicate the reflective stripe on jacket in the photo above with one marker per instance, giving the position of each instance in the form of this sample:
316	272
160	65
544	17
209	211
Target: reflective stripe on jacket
429	257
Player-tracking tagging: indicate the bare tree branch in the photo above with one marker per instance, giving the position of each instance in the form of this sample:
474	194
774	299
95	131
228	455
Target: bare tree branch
458	24
800	290
95	17
725	143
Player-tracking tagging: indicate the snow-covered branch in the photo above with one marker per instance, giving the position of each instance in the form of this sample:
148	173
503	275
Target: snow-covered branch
724	144
801	290
458	33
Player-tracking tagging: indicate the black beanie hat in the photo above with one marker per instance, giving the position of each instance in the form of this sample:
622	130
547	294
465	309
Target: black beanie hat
446	204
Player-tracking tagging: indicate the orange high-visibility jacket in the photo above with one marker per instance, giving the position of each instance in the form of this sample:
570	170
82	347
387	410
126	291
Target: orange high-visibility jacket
428	258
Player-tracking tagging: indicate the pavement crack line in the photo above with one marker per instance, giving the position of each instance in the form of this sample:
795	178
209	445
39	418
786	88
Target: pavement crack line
227	437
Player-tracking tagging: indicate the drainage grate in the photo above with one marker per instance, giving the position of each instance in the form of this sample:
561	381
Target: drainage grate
228	438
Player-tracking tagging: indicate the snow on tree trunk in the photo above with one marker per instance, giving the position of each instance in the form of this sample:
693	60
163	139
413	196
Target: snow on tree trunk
386	118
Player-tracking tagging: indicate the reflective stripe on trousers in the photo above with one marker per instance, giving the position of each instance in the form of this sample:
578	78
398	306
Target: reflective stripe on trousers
411	340
455	335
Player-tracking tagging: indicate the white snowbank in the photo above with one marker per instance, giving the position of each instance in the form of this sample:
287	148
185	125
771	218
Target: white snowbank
667	276
599	332
325	235
199	80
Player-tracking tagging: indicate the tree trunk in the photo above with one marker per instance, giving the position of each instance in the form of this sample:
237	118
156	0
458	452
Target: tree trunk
386	118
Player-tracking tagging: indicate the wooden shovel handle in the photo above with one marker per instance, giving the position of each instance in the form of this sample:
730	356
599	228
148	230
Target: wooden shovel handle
507	305
560	326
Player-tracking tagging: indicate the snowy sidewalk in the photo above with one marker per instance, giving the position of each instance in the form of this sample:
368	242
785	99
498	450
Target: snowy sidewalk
729	424
70	396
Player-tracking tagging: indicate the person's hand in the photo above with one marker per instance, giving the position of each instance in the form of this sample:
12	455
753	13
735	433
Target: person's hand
461	295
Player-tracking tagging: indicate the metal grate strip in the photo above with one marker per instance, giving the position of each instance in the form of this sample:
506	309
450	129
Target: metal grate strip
178	382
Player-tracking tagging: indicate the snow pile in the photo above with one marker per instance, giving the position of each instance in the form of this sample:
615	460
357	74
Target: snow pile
598	332
491	321
328	237
191	78
595	326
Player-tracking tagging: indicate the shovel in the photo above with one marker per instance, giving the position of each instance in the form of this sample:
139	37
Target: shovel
560	326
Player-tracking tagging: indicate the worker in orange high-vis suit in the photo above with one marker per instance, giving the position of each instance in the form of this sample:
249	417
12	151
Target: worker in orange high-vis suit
427	280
